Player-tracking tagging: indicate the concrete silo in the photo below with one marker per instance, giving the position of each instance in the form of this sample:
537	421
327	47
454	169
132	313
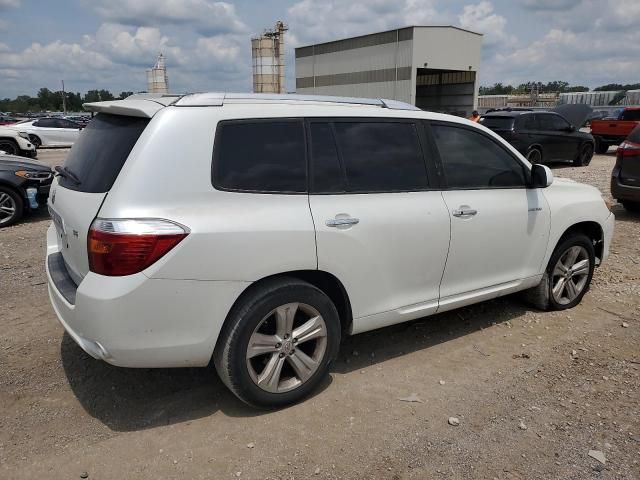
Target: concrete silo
267	53
157	80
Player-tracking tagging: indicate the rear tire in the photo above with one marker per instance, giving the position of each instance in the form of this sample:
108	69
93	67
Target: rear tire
534	155
631	206
35	140
601	147
584	156
9	146
260	357
11	207
566	280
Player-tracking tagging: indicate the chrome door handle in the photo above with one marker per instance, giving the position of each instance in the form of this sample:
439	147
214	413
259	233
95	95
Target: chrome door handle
465	212
338	222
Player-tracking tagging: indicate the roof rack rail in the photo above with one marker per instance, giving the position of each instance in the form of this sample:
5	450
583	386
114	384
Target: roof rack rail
219	99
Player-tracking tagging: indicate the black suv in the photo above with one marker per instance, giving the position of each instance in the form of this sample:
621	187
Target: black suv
24	185
625	178
543	136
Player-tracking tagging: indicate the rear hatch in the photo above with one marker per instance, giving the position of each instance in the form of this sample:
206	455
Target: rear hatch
629	159
85	180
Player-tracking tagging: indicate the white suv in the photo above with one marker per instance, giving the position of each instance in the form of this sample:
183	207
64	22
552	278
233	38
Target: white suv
257	230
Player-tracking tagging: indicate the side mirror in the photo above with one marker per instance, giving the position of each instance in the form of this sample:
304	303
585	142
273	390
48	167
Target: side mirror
541	176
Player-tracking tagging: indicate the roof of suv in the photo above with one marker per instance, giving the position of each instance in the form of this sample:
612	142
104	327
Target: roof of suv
146	105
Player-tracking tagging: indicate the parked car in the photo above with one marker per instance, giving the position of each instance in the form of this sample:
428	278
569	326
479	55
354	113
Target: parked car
51	132
625	178
545	136
24	186
607	132
7	120
16	142
255	231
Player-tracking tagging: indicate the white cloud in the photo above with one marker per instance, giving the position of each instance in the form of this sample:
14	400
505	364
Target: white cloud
206	16
482	19
550	4
6	4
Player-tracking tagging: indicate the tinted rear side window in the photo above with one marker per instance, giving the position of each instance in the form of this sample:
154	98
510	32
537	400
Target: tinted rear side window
260	156
381	156
326	172
101	150
497	123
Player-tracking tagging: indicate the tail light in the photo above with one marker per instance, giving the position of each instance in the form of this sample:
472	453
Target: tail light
128	246
628	149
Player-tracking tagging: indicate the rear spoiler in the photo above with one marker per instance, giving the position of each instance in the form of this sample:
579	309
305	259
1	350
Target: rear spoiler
141	105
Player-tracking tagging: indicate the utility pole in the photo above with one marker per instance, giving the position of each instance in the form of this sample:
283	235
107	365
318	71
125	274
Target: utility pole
64	99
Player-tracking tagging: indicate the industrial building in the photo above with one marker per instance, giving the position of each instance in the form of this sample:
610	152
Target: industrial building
267	54
157	79
433	67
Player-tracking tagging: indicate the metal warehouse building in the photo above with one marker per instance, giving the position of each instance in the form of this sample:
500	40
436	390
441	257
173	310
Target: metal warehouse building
433	67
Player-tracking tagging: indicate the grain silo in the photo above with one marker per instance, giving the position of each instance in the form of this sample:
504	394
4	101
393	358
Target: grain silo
157	80
267	53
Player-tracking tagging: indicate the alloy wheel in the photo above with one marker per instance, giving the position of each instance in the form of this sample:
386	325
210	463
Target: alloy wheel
7	208
287	347
570	275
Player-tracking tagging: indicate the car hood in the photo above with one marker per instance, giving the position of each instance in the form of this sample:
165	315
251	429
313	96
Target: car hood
575	114
10	130
11	161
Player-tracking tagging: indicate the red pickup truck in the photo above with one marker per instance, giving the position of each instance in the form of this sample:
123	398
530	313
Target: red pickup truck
607	132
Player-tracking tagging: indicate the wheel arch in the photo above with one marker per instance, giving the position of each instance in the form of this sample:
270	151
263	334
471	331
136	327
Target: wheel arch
593	230
324	281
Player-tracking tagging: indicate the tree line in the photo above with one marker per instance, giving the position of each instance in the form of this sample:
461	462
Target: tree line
49	101
551	87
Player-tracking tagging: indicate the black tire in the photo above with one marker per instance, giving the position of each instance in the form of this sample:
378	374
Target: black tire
9	146
249	313
534	155
10	199
601	147
542	296
584	156
35	140
631	206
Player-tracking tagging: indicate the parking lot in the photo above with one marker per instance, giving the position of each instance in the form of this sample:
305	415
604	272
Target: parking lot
534	392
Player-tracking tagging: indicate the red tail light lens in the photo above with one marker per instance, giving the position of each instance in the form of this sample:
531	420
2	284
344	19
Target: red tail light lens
628	149
128	246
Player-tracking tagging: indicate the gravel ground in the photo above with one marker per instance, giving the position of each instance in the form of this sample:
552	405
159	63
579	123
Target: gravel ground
533	392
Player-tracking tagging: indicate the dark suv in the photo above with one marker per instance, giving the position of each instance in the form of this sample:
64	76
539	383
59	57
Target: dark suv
542	136
625	178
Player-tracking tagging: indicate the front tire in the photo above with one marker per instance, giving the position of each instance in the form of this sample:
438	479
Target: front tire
584	156
9	146
568	275
35	140
278	343
11	207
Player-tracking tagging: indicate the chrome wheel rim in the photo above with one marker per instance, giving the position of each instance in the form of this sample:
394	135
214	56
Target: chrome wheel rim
570	275
7	207
287	347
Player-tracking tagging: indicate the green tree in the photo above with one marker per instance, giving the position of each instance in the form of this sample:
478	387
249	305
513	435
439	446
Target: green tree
124	95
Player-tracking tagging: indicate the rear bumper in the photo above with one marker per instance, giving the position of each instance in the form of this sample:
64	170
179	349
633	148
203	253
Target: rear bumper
620	191
135	321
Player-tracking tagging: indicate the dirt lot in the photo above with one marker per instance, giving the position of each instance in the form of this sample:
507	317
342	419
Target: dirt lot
534	392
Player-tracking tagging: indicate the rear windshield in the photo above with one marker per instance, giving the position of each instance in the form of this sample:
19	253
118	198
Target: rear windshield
497	123
100	152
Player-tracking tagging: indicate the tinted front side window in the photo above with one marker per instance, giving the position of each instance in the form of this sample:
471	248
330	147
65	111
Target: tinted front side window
101	150
551	122
471	160
381	156
261	156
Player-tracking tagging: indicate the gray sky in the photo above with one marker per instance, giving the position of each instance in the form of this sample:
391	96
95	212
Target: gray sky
109	43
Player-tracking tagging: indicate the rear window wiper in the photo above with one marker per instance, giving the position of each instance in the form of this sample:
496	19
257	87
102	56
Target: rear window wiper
66	173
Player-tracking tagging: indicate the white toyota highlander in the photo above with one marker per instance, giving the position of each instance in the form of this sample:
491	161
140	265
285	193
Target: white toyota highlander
255	231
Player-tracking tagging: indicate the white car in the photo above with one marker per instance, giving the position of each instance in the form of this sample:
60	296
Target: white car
16	142
257	230
50	132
